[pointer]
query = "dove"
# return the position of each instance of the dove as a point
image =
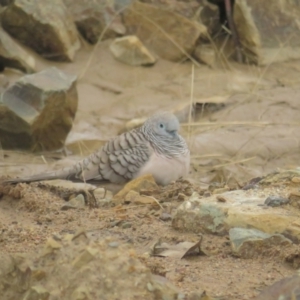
(154, 148)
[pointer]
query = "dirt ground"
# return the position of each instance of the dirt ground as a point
(34, 214)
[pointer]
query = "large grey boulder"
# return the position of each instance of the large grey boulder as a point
(37, 112)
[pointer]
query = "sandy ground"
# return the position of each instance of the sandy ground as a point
(255, 132)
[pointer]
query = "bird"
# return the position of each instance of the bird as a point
(154, 148)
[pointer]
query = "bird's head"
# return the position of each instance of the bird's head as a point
(164, 125)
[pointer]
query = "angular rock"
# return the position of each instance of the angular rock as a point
(76, 202)
(143, 182)
(162, 31)
(285, 289)
(205, 54)
(92, 18)
(37, 293)
(244, 209)
(37, 112)
(135, 198)
(43, 25)
(130, 50)
(82, 269)
(251, 243)
(14, 56)
(275, 201)
(266, 42)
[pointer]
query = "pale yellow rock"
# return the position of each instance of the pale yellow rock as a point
(130, 50)
(136, 198)
(142, 182)
(85, 257)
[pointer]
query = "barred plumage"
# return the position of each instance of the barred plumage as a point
(156, 148)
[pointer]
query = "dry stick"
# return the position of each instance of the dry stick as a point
(234, 162)
(254, 124)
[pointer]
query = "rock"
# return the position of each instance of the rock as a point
(76, 202)
(130, 50)
(94, 18)
(275, 201)
(37, 112)
(37, 293)
(285, 289)
(163, 32)
(143, 182)
(267, 42)
(294, 199)
(135, 198)
(251, 243)
(206, 54)
(165, 217)
(14, 56)
(76, 268)
(5, 2)
(126, 225)
(4, 82)
(43, 25)
(242, 209)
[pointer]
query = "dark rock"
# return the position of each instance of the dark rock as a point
(12, 55)
(43, 25)
(37, 112)
(275, 201)
(93, 17)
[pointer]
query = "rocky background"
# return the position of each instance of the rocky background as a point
(76, 73)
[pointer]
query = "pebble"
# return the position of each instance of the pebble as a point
(165, 217)
(274, 201)
(126, 225)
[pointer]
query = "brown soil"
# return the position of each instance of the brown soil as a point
(30, 215)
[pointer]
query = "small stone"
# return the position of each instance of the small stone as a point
(296, 179)
(206, 54)
(37, 293)
(150, 287)
(126, 225)
(130, 50)
(85, 257)
(165, 217)
(77, 202)
(221, 198)
(113, 244)
(294, 199)
(145, 182)
(274, 201)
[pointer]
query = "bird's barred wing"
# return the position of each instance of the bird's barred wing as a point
(117, 161)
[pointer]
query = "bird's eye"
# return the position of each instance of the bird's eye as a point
(161, 125)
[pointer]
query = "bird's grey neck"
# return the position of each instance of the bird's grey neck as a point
(165, 145)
